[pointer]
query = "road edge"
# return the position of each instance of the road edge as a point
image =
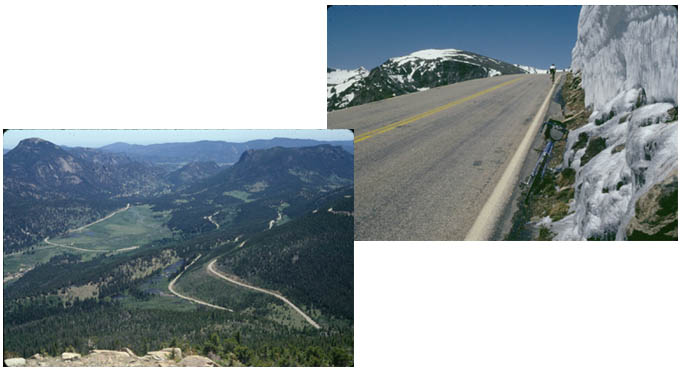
(485, 223)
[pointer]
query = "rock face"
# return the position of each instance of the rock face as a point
(171, 356)
(656, 212)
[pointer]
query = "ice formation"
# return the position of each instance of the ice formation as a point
(623, 47)
(627, 57)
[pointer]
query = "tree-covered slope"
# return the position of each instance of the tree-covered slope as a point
(310, 259)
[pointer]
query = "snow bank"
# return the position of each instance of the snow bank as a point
(622, 47)
(628, 60)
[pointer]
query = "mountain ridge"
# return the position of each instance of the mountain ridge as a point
(221, 152)
(418, 71)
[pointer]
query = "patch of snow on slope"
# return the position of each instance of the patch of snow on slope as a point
(339, 80)
(338, 76)
(493, 72)
(531, 70)
(429, 54)
(347, 99)
(641, 143)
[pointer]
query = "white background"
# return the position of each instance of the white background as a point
(220, 64)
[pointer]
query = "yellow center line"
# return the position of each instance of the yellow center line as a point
(377, 131)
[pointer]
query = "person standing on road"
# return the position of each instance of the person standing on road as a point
(552, 72)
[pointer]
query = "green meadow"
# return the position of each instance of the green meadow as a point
(135, 227)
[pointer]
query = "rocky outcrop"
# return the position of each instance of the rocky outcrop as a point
(17, 361)
(171, 356)
(656, 212)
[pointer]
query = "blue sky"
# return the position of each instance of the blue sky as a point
(98, 138)
(529, 35)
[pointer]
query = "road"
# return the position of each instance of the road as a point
(47, 241)
(171, 288)
(210, 219)
(211, 269)
(99, 220)
(425, 163)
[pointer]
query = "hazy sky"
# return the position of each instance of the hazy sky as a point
(98, 138)
(529, 35)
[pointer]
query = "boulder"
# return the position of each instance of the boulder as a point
(130, 352)
(178, 353)
(163, 354)
(195, 360)
(70, 356)
(656, 212)
(112, 353)
(17, 361)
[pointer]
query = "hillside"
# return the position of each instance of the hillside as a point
(192, 172)
(248, 193)
(307, 259)
(47, 190)
(418, 71)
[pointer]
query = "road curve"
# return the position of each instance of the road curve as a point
(309, 320)
(425, 163)
(172, 290)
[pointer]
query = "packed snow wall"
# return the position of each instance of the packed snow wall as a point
(622, 47)
(627, 57)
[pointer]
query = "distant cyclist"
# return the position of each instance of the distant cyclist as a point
(552, 72)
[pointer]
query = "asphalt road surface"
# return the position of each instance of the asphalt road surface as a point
(425, 163)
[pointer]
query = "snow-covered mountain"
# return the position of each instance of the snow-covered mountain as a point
(627, 57)
(417, 71)
(338, 80)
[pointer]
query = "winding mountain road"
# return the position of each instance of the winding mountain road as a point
(211, 269)
(171, 288)
(210, 219)
(427, 162)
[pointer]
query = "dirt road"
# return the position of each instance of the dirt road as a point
(210, 219)
(172, 285)
(340, 212)
(309, 320)
(100, 220)
(47, 240)
(274, 221)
